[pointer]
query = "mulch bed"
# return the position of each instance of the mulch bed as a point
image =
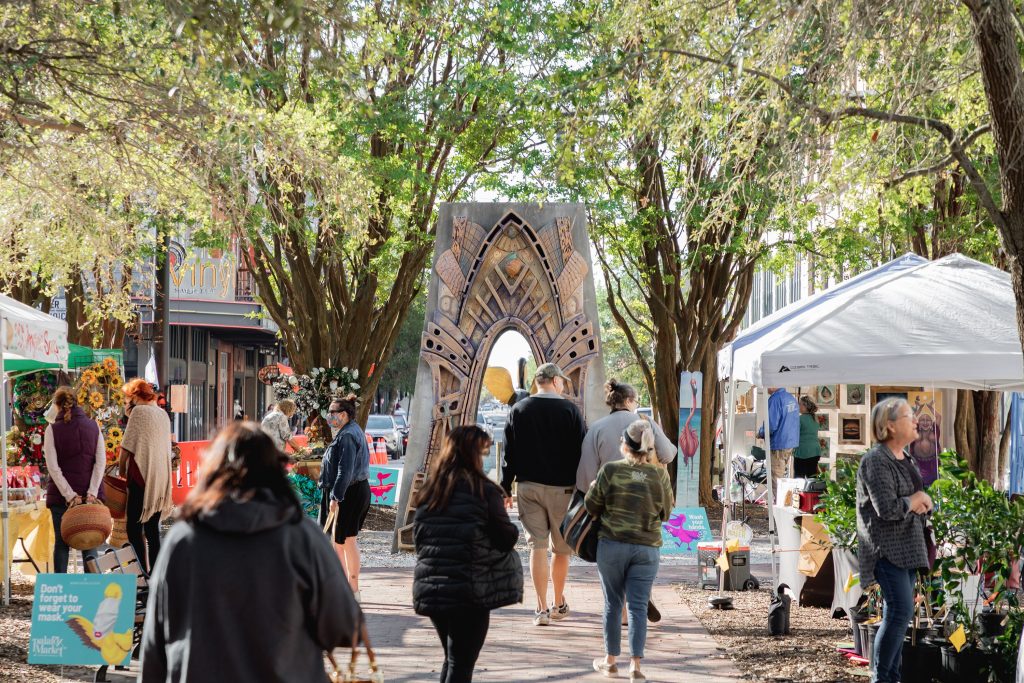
(808, 655)
(380, 518)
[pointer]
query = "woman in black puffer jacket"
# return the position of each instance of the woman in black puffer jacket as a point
(465, 565)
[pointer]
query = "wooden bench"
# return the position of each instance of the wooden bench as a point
(124, 561)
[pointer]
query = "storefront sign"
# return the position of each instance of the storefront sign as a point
(207, 274)
(84, 619)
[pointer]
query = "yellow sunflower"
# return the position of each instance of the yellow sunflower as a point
(83, 396)
(111, 445)
(96, 399)
(109, 364)
(115, 381)
(88, 377)
(117, 398)
(114, 433)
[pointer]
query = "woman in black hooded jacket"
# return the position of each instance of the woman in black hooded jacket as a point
(465, 563)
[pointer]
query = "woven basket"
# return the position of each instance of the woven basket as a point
(116, 495)
(118, 533)
(85, 526)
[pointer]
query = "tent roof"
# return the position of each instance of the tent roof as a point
(32, 335)
(945, 323)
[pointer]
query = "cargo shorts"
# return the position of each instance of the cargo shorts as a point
(541, 510)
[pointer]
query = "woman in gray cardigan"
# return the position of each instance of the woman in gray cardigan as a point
(891, 509)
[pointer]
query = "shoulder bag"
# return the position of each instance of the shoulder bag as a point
(579, 529)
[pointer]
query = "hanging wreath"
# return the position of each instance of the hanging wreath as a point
(32, 396)
(25, 446)
(314, 392)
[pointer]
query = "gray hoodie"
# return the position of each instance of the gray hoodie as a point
(603, 442)
(252, 591)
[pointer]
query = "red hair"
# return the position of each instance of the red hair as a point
(139, 389)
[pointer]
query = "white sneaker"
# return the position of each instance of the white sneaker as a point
(541, 618)
(559, 612)
(358, 595)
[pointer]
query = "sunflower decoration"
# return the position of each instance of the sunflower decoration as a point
(110, 364)
(117, 398)
(115, 381)
(96, 400)
(89, 378)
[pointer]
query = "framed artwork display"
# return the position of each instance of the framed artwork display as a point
(825, 395)
(825, 443)
(822, 419)
(851, 428)
(855, 394)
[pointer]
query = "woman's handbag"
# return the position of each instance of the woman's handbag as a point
(116, 495)
(580, 529)
(351, 675)
(331, 523)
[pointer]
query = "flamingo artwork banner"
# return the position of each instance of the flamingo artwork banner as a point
(684, 530)
(384, 485)
(691, 389)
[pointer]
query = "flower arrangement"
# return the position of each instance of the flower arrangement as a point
(25, 446)
(99, 394)
(314, 391)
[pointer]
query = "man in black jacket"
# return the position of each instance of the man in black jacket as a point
(542, 452)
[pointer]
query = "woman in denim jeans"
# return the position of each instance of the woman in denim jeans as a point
(891, 509)
(632, 497)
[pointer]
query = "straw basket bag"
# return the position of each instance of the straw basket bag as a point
(116, 499)
(118, 533)
(85, 525)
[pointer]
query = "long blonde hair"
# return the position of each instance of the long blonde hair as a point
(640, 434)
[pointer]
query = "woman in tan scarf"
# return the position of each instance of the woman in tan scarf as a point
(146, 464)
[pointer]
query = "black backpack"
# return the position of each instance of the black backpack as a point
(579, 529)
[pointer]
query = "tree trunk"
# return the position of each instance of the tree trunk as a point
(989, 422)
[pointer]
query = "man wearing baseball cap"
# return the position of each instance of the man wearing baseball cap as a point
(543, 436)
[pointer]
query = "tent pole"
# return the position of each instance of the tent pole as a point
(763, 402)
(730, 425)
(5, 510)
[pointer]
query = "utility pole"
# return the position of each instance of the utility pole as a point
(162, 305)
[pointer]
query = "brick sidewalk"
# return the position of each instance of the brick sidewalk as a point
(678, 648)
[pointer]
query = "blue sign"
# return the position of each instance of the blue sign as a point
(82, 619)
(384, 484)
(685, 528)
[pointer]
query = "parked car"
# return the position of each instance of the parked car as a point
(384, 427)
(496, 421)
(482, 423)
(403, 428)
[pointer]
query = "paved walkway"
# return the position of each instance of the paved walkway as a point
(678, 648)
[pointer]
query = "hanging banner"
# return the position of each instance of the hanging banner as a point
(82, 619)
(691, 390)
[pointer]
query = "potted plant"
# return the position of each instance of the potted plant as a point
(981, 532)
(837, 512)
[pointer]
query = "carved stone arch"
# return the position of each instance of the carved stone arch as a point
(495, 270)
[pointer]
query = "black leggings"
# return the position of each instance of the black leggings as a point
(135, 528)
(462, 637)
(805, 467)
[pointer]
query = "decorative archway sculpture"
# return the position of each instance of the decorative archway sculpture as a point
(500, 267)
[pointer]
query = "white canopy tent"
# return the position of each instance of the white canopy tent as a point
(25, 335)
(947, 323)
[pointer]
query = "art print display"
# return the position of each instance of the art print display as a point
(925, 450)
(691, 390)
(825, 444)
(822, 419)
(855, 394)
(851, 428)
(825, 395)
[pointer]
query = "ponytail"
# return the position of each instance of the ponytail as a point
(638, 439)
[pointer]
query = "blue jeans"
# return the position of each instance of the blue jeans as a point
(898, 593)
(60, 548)
(627, 573)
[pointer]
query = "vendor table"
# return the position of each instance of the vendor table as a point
(31, 537)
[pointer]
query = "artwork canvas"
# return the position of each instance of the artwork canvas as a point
(925, 450)
(825, 396)
(855, 394)
(851, 428)
(685, 528)
(691, 387)
(384, 485)
(822, 419)
(825, 443)
(82, 619)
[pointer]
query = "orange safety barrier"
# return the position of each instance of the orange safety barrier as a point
(379, 454)
(184, 479)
